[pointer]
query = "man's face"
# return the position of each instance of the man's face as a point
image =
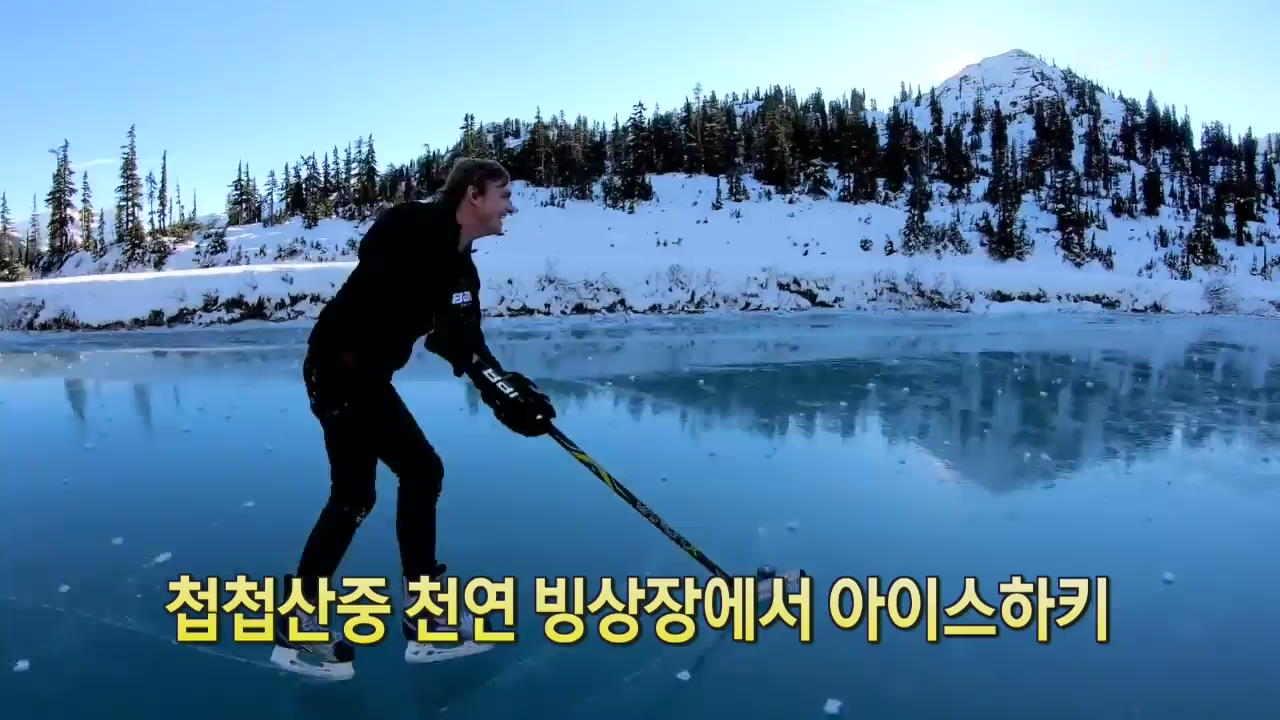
(493, 206)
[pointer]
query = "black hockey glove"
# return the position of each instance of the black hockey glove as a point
(516, 402)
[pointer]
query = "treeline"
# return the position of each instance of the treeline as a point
(75, 225)
(845, 149)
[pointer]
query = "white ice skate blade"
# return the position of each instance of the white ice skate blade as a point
(287, 659)
(416, 652)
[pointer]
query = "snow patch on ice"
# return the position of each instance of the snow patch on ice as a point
(832, 706)
(22, 666)
(683, 675)
(161, 558)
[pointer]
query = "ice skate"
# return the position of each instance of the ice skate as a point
(417, 651)
(328, 660)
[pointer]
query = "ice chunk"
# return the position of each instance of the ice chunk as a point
(1044, 394)
(22, 666)
(832, 707)
(1168, 578)
(88, 446)
(117, 541)
(793, 526)
(63, 588)
(247, 503)
(269, 448)
(683, 675)
(162, 557)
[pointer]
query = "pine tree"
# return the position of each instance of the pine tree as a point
(958, 170)
(999, 156)
(7, 252)
(1071, 223)
(162, 198)
(61, 203)
(979, 116)
(335, 171)
(1152, 189)
(235, 197)
(895, 160)
(86, 215)
(151, 201)
(269, 199)
(100, 242)
(31, 249)
(1201, 249)
(130, 234)
(369, 175)
(916, 232)
(779, 163)
(312, 192)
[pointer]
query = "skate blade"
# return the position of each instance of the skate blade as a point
(416, 652)
(287, 659)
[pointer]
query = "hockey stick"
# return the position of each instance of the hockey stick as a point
(763, 573)
(622, 492)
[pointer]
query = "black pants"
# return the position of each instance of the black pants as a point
(364, 421)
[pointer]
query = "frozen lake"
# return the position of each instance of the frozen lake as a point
(1142, 449)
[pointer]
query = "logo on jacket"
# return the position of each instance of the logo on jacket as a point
(462, 298)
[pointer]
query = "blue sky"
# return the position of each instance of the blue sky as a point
(214, 83)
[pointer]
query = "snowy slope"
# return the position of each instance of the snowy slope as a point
(678, 254)
(673, 255)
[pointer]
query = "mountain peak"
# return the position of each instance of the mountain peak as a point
(1012, 77)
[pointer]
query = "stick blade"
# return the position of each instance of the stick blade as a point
(787, 582)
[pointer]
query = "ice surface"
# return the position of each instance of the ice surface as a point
(1156, 450)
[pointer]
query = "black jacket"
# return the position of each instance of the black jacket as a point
(411, 281)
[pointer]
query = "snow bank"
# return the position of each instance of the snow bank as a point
(674, 255)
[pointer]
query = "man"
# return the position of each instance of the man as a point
(414, 277)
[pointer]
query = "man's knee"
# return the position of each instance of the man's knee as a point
(422, 474)
(352, 505)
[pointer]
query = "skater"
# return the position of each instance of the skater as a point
(414, 278)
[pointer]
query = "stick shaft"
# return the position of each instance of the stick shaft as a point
(621, 491)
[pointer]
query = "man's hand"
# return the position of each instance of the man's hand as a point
(516, 402)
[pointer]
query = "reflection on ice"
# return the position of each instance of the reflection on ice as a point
(1143, 449)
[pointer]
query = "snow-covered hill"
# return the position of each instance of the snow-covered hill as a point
(683, 252)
